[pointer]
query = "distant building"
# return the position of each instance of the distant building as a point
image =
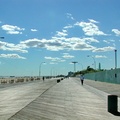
(99, 66)
(70, 74)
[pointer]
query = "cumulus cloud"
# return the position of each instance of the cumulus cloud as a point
(34, 30)
(54, 59)
(13, 47)
(83, 46)
(81, 43)
(62, 33)
(104, 49)
(106, 41)
(12, 29)
(81, 40)
(65, 31)
(93, 21)
(100, 56)
(34, 42)
(116, 31)
(67, 56)
(61, 43)
(69, 26)
(12, 56)
(109, 41)
(52, 44)
(90, 28)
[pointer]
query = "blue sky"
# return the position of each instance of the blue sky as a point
(58, 32)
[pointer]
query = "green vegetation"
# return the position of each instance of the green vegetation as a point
(88, 70)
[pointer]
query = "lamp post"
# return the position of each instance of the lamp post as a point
(52, 72)
(115, 59)
(2, 37)
(40, 68)
(94, 61)
(74, 65)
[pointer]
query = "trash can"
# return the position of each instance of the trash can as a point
(58, 80)
(112, 103)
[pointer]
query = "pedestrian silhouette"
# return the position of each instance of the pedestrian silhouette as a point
(82, 79)
(43, 79)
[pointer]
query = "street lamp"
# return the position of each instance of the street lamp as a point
(40, 68)
(94, 61)
(52, 72)
(115, 59)
(74, 65)
(2, 37)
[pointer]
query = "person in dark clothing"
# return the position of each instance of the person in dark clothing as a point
(43, 79)
(82, 79)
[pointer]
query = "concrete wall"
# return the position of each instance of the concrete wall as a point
(111, 76)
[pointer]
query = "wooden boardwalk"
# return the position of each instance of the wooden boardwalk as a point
(67, 100)
(16, 97)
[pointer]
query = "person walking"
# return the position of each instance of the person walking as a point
(43, 78)
(82, 79)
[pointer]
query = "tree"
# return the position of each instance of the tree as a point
(90, 69)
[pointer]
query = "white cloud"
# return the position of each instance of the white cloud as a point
(52, 44)
(93, 21)
(64, 31)
(81, 43)
(67, 56)
(69, 26)
(112, 40)
(90, 28)
(61, 33)
(34, 42)
(34, 30)
(116, 31)
(69, 15)
(12, 56)
(104, 49)
(100, 56)
(109, 41)
(54, 59)
(106, 41)
(83, 46)
(13, 47)
(14, 32)
(53, 63)
(12, 29)
(61, 43)
(81, 40)
(90, 39)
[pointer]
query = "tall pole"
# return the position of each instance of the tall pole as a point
(74, 66)
(94, 61)
(115, 59)
(40, 68)
(2, 37)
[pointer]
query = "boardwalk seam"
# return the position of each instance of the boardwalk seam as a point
(32, 101)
